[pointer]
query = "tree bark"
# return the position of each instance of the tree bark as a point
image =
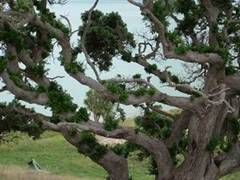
(115, 165)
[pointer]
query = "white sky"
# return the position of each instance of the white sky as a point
(131, 15)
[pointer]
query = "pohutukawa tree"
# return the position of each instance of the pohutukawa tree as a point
(205, 33)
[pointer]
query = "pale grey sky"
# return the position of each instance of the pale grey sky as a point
(131, 15)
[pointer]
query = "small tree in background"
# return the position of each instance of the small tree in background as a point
(201, 32)
(109, 112)
(97, 105)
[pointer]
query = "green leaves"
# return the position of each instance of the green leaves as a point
(151, 68)
(107, 37)
(124, 149)
(10, 35)
(154, 124)
(23, 5)
(140, 92)
(161, 11)
(81, 116)
(126, 56)
(74, 67)
(13, 121)
(110, 123)
(60, 101)
(3, 63)
(118, 89)
(219, 144)
(38, 70)
(137, 76)
(181, 49)
(93, 150)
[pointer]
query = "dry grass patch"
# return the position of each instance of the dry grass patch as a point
(17, 173)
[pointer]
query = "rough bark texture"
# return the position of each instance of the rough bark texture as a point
(206, 113)
(115, 165)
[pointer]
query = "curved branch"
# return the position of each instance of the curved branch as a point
(89, 21)
(31, 97)
(231, 161)
(154, 146)
(190, 56)
(181, 102)
(114, 164)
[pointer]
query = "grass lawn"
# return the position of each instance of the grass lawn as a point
(57, 156)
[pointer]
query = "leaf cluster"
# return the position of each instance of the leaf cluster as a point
(107, 37)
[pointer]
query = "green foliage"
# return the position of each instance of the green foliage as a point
(41, 89)
(161, 11)
(38, 70)
(10, 35)
(50, 17)
(140, 92)
(55, 119)
(107, 37)
(18, 79)
(94, 150)
(151, 68)
(110, 123)
(151, 91)
(110, 112)
(60, 101)
(174, 37)
(223, 4)
(137, 76)
(97, 104)
(34, 129)
(179, 149)
(3, 64)
(154, 124)
(192, 13)
(234, 125)
(175, 79)
(118, 89)
(22, 5)
(72, 132)
(214, 142)
(123, 97)
(219, 144)
(13, 121)
(152, 168)
(74, 67)
(127, 55)
(202, 48)
(181, 49)
(87, 137)
(81, 116)
(230, 70)
(124, 149)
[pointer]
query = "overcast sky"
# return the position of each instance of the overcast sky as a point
(131, 15)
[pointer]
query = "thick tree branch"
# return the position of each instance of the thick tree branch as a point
(64, 41)
(83, 39)
(152, 145)
(212, 13)
(31, 97)
(168, 48)
(231, 161)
